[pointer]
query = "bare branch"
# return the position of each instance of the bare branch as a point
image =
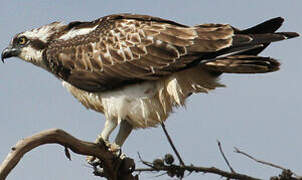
(211, 170)
(172, 144)
(264, 162)
(57, 136)
(224, 157)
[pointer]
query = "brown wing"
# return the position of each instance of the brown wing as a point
(123, 49)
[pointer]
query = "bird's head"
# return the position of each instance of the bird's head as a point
(30, 45)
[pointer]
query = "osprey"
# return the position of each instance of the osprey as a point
(135, 68)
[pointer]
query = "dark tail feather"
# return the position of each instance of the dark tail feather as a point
(269, 26)
(254, 39)
(242, 64)
(252, 44)
(242, 57)
(257, 38)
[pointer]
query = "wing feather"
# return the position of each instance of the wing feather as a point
(125, 49)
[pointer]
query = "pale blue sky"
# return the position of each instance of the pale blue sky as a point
(260, 114)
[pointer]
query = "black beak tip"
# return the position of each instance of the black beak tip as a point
(9, 52)
(2, 57)
(4, 54)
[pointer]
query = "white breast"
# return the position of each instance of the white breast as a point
(146, 104)
(128, 101)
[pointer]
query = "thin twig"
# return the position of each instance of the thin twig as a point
(145, 162)
(224, 157)
(264, 162)
(172, 144)
(161, 174)
(211, 170)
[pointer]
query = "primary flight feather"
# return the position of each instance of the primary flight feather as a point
(135, 68)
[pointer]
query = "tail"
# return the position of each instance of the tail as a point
(242, 57)
(243, 64)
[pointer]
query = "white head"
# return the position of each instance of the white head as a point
(29, 45)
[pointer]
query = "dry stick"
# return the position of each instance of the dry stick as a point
(224, 157)
(145, 162)
(264, 162)
(172, 144)
(211, 170)
(58, 136)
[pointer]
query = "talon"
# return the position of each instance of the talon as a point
(93, 161)
(116, 149)
(101, 141)
(113, 147)
(122, 156)
(90, 159)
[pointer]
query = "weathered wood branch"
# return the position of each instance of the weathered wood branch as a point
(58, 136)
(113, 167)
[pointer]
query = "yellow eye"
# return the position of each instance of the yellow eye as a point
(22, 40)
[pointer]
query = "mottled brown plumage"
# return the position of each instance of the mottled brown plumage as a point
(125, 49)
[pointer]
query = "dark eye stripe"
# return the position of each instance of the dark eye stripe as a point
(38, 44)
(35, 43)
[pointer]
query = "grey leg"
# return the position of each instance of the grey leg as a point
(123, 133)
(110, 125)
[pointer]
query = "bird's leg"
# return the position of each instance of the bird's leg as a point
(109, 126)
(123, 133)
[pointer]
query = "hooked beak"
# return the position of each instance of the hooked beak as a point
(9, 52)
